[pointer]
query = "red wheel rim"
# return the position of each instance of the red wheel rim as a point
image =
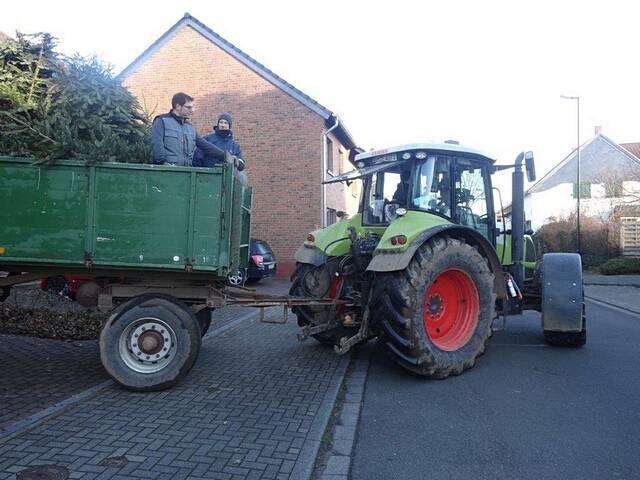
(451, 309)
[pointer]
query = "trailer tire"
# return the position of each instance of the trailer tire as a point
(436, 315)
(315, 315)
(204, 319)
(150, 343)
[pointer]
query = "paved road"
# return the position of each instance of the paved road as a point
(526, 411)
(254, 406)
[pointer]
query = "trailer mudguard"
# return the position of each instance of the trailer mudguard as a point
(389, 262)
(562, 294)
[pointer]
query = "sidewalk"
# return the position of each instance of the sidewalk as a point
(619, 290)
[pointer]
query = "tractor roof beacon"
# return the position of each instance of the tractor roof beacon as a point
(423, 266)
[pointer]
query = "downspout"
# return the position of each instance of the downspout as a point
(323, 194)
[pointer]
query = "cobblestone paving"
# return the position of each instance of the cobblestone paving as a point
(244, 412)
(37, 373)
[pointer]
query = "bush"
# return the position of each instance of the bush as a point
(593, 260)
(597, 241)
(56, 107)
(621, 266)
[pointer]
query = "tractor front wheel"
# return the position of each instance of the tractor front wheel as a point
(436, 314)
(317, 282)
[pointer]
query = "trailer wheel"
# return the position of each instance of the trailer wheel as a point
(204, 319)
(150, 343)
(315, 282)
(436, 315)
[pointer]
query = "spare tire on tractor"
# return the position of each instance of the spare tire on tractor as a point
(436, 315)
(318, 282)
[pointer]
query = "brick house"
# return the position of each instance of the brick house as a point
(285, 165)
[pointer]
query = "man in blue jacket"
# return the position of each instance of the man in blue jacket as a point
(222, 137)
(173, 138)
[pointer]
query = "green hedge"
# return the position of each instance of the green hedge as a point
(621, 266)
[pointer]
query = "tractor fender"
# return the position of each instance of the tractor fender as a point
(389, 262)
(310, 255)
(562, 297)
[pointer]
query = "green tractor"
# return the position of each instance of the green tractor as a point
(424, 266)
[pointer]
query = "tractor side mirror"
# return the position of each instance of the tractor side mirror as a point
(530, 166)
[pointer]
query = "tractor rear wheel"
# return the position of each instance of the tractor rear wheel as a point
(316, 282)
(436, 315)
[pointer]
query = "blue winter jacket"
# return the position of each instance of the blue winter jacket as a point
(201, 159)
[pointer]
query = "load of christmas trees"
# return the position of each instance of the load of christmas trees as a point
(57, 107)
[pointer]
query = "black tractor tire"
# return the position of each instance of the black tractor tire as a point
(568, 339)
(563, 306)
(172, 336)
(204, 319)
(315, 315)
(404, 299)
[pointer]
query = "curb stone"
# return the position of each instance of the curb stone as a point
(335, 464)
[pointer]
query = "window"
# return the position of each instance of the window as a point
(330, 215)
(613, 189)
(585, 190)
(343, 161)
(386, 191)
(471, 183)
(329, 147)
(432, 186)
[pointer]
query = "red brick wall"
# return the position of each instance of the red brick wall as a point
(280, 137)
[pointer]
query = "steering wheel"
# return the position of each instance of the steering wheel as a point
(390, 207)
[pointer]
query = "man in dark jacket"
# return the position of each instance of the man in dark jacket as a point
(173, 138)
(222, 137)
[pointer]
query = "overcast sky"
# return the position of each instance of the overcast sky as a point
(486, 73)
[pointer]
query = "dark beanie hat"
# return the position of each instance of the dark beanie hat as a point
(224, 116)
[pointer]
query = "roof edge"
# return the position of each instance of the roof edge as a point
(189, 21)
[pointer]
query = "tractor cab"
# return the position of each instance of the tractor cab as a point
(447, 180)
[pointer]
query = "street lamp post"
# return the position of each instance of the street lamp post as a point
(577, 99)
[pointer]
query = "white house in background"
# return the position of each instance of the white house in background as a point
(610, 181)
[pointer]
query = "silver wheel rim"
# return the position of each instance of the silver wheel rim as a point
(147, 345)
(236, 278)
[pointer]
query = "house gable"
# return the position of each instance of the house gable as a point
(189, 21)
(600, 159)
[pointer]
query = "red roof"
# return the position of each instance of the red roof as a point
(633, 148)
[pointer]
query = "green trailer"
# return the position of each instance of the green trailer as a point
(158, 242)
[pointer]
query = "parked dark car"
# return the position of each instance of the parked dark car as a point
(262, 261)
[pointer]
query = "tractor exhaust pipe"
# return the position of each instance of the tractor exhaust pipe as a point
(517, 221)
